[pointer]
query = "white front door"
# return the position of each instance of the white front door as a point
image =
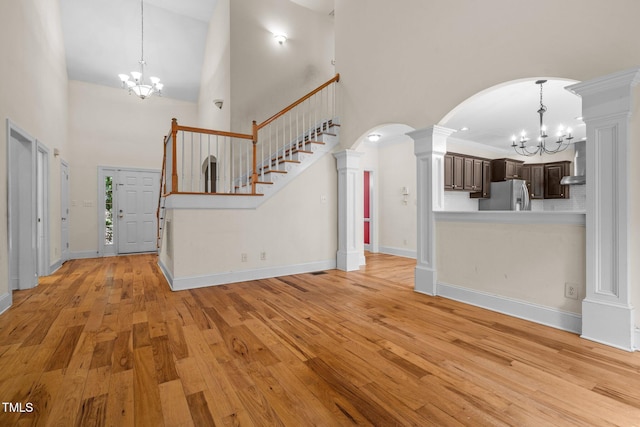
(137, 193)
(64, 211)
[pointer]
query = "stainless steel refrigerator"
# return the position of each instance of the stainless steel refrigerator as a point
(511, 195)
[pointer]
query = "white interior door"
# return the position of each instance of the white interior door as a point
(64, 211)
(22, 211)
(137, 193)
(42, 187)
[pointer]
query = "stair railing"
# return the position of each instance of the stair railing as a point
(242, 160)
(287, 132)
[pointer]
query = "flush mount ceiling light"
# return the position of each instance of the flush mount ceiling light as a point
(373, 137)
(137, 84)
(564, 136)
(280, 38)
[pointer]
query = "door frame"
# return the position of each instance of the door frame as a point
(64, 251)
(373, 245)
(13, 243)
(103, 172)
(42, 259)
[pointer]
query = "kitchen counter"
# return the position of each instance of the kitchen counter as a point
(514, 217)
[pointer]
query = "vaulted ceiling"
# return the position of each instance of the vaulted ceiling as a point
(103, 39)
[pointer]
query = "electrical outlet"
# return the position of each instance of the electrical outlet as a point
(571, 290)
(263, 256)
(243, 257)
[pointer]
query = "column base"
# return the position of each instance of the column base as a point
(348, 261)
(608, 324)
(425, 280)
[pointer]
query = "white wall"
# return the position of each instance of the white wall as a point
(266, 77)
(33, 88)
(108, 127)
(215, 82)
(397, 219)
(526, 262)
(293, 227)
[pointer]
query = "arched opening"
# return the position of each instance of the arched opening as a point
(210, 174)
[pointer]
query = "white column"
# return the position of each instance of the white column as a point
(430, 146)
(350, 215)
(607, 314)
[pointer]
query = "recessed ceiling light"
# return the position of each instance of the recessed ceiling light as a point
(280, 38)
(579, 118)
(464, 129)
(373, 137)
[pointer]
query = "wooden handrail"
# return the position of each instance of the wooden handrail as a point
(336, 79)
(214, 132)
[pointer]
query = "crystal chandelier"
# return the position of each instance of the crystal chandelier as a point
(564, 136)
(137, 84)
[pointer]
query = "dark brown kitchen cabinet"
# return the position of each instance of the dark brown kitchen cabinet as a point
(553, 173)
(485, 189)
(453, 172)
(533, 174)
(466, 173)
(504, 169)
(472, 174)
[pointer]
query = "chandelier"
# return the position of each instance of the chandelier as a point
(564, 136)
(137, 82)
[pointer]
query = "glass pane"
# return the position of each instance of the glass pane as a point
(108, 214)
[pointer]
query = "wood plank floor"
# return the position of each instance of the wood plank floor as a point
(105, 342)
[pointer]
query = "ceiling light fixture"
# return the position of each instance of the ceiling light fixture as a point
(562, 135)
(374, 137)
(280, 38)
(138, 85)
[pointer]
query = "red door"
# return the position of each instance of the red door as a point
(367, 208)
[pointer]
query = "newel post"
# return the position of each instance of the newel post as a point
(174, 157)
(254, 175)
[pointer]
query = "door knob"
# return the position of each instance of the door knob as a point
(121, 214)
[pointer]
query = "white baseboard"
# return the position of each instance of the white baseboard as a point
(55, 266)
(548, 316)
(406, 253)
(184, 283)
(636, 340)
(5, 301)
(166, 272)
(84, 255)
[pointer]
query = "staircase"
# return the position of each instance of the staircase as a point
(250, 167)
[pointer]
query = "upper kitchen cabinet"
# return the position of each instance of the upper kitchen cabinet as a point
(533, 174)
(504, 169)
(553, 173)
(453, 171)
(467, 173)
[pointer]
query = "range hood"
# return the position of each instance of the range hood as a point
(579, 168)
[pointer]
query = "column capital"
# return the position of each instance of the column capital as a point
(608, 95)
(432, 139)
(348, 159)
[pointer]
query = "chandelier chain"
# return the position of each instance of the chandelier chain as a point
(137, 84)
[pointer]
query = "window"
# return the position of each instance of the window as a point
(108, 212)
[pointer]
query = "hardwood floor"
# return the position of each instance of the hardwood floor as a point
(105, 342)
